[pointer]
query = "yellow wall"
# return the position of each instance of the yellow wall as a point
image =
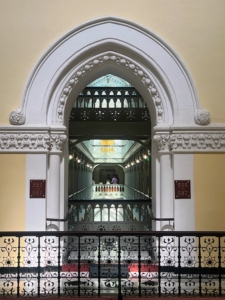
(209, 188)
(12, 192)
(194, 29)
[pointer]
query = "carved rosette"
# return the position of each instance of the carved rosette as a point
(190, 142)
(202, 117)
(17, 117)
(119, 60)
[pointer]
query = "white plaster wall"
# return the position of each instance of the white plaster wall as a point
(184, 212)
(36, 166)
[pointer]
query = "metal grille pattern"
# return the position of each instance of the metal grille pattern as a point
(108, 104)
(106, 215)
(68, 264)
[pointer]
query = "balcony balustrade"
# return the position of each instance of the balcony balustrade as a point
(113, 214)
(124, 264)
(108, 191)
(110, 104)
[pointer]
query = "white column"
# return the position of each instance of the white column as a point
(53, 203)
(55, 185)
(64, 187)
(166, 189)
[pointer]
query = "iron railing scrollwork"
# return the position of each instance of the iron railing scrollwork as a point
(128, 264)
(110, 104)
(110, 214)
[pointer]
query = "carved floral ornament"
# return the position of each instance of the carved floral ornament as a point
(202, 117)
(35, 142)
(190, 142)
(165, 142)
(17, 117)
(119, 60)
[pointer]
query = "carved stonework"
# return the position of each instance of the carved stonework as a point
(161, 141)
(119, 60)
(190, 142)
(17, 117)
(32, 142)
(24, 142)
(202, 117)
(57, 141)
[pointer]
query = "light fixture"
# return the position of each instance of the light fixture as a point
(70, 156)
(144, 155)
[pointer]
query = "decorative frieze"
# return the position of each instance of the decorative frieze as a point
(121, 61)
(27, 142)
(190, 142)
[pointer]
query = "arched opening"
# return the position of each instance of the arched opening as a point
(104, 46)
(110, 162)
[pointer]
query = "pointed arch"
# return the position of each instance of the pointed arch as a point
(110, 45)
(127, 50)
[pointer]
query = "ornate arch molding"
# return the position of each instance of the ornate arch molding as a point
(120, 65)
(145, 49)
(87, 52)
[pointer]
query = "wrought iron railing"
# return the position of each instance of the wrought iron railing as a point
(110, 214)
(109, 104)
(74, 264)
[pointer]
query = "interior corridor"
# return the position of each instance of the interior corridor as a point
(109, 158)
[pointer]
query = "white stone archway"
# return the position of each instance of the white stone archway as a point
(132, 51)
(125, 49)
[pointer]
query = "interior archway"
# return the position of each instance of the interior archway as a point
(107, 113)
(103, 46)
(131, 52)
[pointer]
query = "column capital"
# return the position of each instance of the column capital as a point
(57, 142)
